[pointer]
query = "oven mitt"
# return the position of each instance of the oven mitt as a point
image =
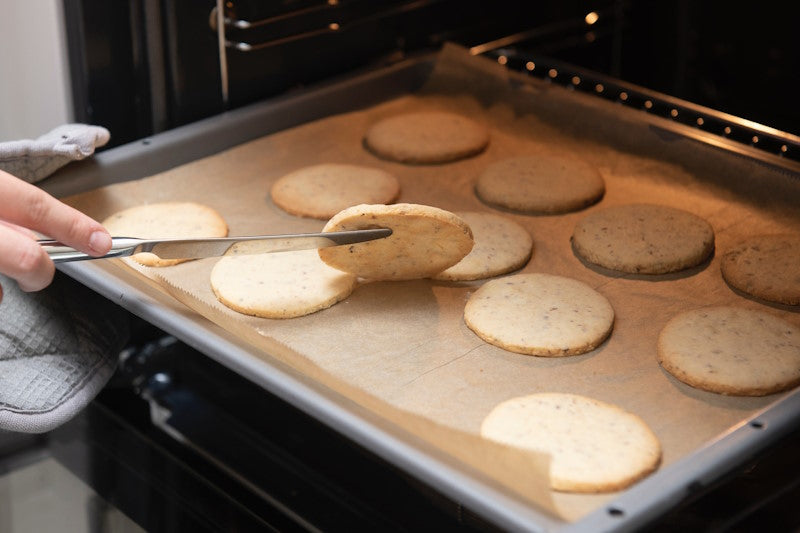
(34, 160)
(58, 348)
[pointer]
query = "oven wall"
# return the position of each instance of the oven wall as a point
(35, 93)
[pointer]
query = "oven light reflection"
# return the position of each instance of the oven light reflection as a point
(591, 17)
(333, 26)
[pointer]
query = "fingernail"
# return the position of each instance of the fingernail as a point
(100, 242)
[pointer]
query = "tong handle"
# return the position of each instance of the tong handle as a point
(60, 253)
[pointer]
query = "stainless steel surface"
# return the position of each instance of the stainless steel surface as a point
(733, 134)
(198, 248)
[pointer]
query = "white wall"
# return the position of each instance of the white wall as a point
(34, 78)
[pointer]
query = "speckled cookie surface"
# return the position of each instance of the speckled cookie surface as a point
(425, 240)
(168, 220)
(594, 446)
(321, 191)
(544, 183)
(501, 246)
(279, 285)
(539, 314)
(765, 266)
(731, 350)
(643, 238)
(426, 137)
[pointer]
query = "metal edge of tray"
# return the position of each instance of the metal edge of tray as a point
(630, 509)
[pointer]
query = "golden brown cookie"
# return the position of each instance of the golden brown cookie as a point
(540, 184)
(168, 220)
(593, 446)
(501, 246)
(765, 266)
(425, 240)
(539, 314)
(732, 351)
(426, 137)
(279, 285)
(643, 239)
(321, 191)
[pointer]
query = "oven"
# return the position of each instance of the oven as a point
(201, 430)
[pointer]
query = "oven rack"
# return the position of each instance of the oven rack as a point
(713, 127)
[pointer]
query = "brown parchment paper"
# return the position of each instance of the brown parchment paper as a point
(402, 349)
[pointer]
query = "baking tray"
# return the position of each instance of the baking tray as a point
(627, 510)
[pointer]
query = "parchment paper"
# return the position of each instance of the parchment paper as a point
(402, 348)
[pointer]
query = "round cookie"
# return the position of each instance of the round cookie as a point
(501, 246)
(643, 239)
(168, 220)
(425, 240)
(279, 285)
(540, 184)
(426, 137)
(593, 446)
(321, 191)
(731, 351)
(540, 314)
(765, 266)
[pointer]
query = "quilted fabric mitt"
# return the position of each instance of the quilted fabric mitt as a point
(58, 348)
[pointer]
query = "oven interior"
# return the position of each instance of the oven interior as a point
(167, 444)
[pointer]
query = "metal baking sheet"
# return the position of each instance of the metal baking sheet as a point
(631, 508)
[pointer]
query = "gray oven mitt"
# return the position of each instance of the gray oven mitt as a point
(58, 348)
(34, 160)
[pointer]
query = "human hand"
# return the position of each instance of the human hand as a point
(24, 209)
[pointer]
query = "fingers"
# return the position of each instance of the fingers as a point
(23, 259)
(28, 206)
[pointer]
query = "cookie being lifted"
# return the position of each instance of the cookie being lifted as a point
(643, 239)
(540, 184)
(730, 350)
(425, 240)
(321, 191)
(594, 446)
(426, 137)
(540, 314)
(765, 266)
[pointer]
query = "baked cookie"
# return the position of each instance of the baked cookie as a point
(168, 220)
(279, 285)
(593, 446)
(539, 314)
(501, 246)
(321, 191)
(540, 184)
(643, 239)
(765, 266)
(731, 351)
(425, 240)
(426, 137)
